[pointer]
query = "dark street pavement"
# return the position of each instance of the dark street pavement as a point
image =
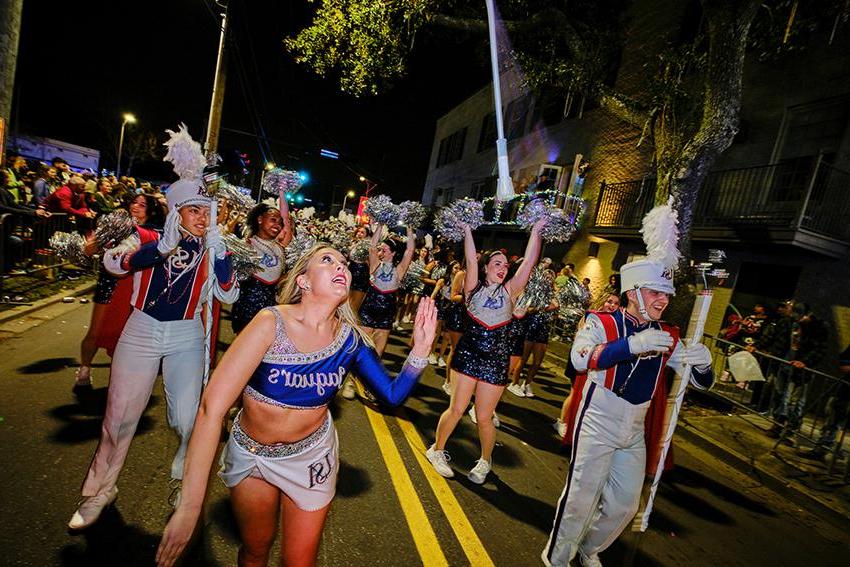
(391, 509)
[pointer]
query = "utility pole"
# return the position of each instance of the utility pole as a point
(214, 124)
(10, 33)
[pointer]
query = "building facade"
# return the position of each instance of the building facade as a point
(777, 201)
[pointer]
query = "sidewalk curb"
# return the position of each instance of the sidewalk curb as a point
(746, 465)
(778, 484)
(16, 313)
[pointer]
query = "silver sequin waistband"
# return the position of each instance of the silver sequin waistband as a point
(278, 450)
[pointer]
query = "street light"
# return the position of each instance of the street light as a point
(128, 119)
(349, 195)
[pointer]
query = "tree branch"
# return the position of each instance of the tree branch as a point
(624, 107)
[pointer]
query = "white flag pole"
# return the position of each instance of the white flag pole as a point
(505, 185)
(208, 307)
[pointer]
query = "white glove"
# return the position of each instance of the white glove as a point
(697, 355)
(215, 242)
(650, 340)
(170, 234)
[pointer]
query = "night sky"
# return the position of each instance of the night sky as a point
(82, 64)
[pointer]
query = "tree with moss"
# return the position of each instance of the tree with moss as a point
(688, 110)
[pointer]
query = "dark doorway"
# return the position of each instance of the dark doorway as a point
(767, 284)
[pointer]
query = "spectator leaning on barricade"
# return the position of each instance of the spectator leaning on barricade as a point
(103, 202)
(70, 199)
(12, 244)
(837, 409)
(63, 170)
(799, 338)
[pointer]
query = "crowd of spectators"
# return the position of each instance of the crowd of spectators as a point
(31, 191)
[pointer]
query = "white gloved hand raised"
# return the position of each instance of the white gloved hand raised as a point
(650, 340)
(215, 242)
(170, 234)
(697, 355)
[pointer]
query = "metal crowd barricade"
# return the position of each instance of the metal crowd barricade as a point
(25, 250)
(762, 398)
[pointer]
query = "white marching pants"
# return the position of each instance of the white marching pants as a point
(144, 343)
(605, 477)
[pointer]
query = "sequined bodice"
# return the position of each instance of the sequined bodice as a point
(289, 378)
(490, 306)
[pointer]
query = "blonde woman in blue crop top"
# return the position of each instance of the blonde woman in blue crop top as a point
(281, 457)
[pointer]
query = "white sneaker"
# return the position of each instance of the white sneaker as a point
(480, 471)
(90, 509)
(397, 326)
(432, 358)
(560, 428)
(348, 391)
(529, 393)
(447, 388)
(496, 422)
(517, 390)
(591, 561)
(440, 461)
(441, 362)
(406, 319)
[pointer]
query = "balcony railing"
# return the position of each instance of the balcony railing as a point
(815, 200)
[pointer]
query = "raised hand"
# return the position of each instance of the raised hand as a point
(424, 327)
(170, 233)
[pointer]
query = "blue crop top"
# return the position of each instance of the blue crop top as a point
(292, 379)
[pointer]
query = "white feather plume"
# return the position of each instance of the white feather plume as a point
(185, 154)
(661, 234)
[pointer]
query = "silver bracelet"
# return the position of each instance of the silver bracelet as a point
(416, 361)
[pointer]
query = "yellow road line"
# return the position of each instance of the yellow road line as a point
(472, 546)
(417, 521)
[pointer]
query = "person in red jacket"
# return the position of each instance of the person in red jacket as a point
(69, 199)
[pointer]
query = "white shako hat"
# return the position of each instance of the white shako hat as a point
(188, 161)
(187, 192)
(646, 273)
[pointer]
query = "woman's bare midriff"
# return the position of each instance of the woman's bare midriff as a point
(268, 424)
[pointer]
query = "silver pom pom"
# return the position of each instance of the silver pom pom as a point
(412, 214)
(452, 219)
(572, 295)
(71, 247)
(279, 180)
(302, 242)
(222, 190)
(245, 258)
(113, 228)
(539, 292)
(558, 227)
(360, 251)
(382, 210)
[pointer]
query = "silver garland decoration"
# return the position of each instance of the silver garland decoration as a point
(360, 251)
(71, 246)
(382, 210)
(113, 228)
(558, 227)
(245, 259)
(452, 219)
(279, 180)
(412, 214)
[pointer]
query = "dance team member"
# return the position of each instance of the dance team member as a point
(269, 231)
(439, 274)
(413, 286)
(535, 343)
(359, 271)
(387, 267)
(480, 362)
(281, 460)
(454, 320)
(112, 294)
(624, 354)
(170, 283)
